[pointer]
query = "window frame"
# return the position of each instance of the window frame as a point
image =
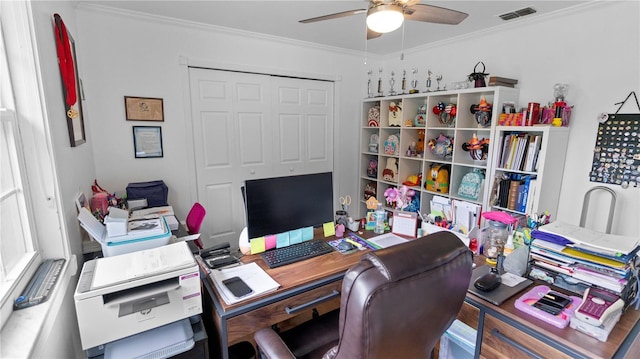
(22, 92)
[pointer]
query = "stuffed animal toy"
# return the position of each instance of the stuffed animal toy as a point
(391, 170)
(420, 144)
(438, 179)
(395, 114)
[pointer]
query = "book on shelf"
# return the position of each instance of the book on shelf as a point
(513, 194)
(531, 193)
(533, 148)
(504, 80)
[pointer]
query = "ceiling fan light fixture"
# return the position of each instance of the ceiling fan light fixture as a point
(385, 18)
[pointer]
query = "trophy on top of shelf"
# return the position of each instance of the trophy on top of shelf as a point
(414, 81)
(429, 73)
(380, 93)
(438, 79)
(392, 82)
(369, 89)
(403, 84)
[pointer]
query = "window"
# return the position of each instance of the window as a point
(16, 243)
(27, 175)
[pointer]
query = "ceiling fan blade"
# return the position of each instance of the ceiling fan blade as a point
(435, 14)
(333, 16)
(372, 34)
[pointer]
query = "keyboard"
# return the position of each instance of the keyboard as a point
(296, 252)
(41, 284)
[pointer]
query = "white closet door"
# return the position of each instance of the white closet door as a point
(231, 121)
(303, 133)
(248, 126)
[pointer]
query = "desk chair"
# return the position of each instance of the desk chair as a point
(194, 221)
(395, 303)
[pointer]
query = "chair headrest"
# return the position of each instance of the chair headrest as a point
(416, 256)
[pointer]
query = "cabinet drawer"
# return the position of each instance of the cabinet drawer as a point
(248, 323)
(501, 340)
(469, 315)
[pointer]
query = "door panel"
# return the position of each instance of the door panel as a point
(229, 115)
(248, 126)
(217, 149)
(220, 218)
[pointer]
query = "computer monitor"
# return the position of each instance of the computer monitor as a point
(280, 204)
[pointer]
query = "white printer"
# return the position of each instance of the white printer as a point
(128, 294)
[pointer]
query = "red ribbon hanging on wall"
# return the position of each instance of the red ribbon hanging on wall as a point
(65, 61)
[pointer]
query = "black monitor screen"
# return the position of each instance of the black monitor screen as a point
(280, 204)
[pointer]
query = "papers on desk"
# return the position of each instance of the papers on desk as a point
(254, 276)
(386, 240)
(591, 240)
(152, 211)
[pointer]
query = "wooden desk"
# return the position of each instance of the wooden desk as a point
(317, 282)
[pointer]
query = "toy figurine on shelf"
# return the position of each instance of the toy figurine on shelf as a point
(390, 173)
(412, 151)
(478, 149)
(395, 114)
(482, 112)
(421, 118)
(559, 93)
(478, 77)
(372, 170)
(420, 144)
(373, 143)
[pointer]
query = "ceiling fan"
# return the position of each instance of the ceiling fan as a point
(387, 15)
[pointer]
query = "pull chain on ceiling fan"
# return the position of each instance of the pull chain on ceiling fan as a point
(388, 15)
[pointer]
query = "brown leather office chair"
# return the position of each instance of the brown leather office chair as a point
(395, 303)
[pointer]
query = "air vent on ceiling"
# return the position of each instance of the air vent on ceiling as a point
(517, 13)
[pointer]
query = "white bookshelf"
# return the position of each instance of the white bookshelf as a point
(460, 161)
(548, 171)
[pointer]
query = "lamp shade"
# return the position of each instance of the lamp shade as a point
(384, 18)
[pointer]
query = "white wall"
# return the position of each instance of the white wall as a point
(74, 168)
(140, 56)
(595, 49)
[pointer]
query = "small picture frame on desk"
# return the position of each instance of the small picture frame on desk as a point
(147, 141)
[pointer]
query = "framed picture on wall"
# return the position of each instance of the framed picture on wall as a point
(143, 109)
(147, 141)
(71, 90)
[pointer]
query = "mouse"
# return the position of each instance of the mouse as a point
(345, 246)
(488, 282)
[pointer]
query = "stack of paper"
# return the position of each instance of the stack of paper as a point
(580, 255)
(254, 276)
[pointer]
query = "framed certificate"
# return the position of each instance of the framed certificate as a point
(147, 141)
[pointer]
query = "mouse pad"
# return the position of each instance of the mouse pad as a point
(498, 295)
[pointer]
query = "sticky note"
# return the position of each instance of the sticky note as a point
(329, 229)
(282, 240)
(257, 245)
(307, 233)
(269, 242)
(295, 236)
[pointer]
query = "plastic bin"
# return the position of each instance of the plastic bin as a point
(458, 342)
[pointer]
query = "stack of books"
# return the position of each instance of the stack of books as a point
(520, 151)
(576, 258)
(517, 192)
(502, 81)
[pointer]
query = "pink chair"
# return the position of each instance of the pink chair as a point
(194, 221)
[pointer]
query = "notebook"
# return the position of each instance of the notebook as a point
(504, 291)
